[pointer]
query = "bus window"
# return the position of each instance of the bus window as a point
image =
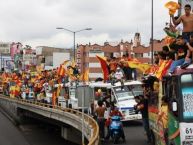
(153, 96)
(137, 89)
(172, 90)
(187, 95)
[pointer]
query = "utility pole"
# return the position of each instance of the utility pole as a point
(152, 49)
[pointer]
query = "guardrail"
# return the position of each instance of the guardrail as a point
(94, 140)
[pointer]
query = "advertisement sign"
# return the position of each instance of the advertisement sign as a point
(186, 133)
(4, 48)
(28, 57)
(187, 94)
(186, 129)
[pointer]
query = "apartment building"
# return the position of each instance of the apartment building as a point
(86, 54)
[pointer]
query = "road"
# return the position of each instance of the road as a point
(28, 134)
(39, 134)
(134, 133)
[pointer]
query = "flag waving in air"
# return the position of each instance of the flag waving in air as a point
(104, 67)
(138, 65)
(85, 76)
(172, 6)
(163, 67)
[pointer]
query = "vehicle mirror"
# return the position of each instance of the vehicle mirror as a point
(174, 106)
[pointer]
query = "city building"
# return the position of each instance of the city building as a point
(86, 54)
(52, 57)
(5, 58)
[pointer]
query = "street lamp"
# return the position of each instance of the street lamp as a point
(74, 33)
(152, 49)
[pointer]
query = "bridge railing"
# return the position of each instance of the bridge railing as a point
(94, 140)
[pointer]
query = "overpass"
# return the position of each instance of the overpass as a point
(72, 122)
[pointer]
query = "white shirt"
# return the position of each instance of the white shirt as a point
(119, 75)
(179, 29)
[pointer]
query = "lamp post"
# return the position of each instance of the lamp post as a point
(152, 32)
(74, 34)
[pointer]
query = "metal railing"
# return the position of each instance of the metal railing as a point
(94, 139)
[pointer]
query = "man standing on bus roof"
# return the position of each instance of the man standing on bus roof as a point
(187, 21)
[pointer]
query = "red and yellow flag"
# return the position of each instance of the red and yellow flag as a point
(143, 67)
(163, 67)
(152, 70)
(85, 76)
(104, 67)
(61, 70)
(172, 6)
(168, 40)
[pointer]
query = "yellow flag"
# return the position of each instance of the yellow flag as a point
(141, 66)
(85, 76)
(172, 7)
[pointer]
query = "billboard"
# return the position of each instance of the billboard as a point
(183, 3)
(4, 48)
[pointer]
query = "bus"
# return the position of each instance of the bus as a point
(178, 89)
(121, 96)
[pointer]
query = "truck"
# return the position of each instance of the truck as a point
(121, 96)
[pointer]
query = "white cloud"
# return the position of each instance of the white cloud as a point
(34, 22)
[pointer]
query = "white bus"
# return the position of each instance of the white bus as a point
(122, 96)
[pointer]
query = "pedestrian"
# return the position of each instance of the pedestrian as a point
(100, 111)
(142, 106)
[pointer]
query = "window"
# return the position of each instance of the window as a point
(172, 94)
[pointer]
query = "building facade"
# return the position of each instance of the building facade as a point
(51, 56)
(86, 54)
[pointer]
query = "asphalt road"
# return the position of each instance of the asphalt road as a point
(39, 134)
(134, 133)
(28, 134)
(9, 134)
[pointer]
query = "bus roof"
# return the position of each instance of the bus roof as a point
(180, 71)
(109, 85)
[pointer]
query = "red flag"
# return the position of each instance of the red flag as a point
(61, 71)
(163, 67)
(104, 67)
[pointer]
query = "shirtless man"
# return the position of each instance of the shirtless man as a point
(187, 21)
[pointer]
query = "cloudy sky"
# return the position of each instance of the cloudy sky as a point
(34, 22)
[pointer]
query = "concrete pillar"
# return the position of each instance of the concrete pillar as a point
(71, 134)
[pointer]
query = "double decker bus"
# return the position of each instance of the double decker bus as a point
(178, 89)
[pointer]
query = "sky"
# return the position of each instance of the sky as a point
(34, 22)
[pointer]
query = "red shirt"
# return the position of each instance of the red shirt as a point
(116, 113)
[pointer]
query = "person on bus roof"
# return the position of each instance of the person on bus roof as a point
(183, 55)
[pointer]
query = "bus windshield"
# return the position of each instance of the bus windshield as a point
(137, 89)
(187, 95)
(128, 92)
